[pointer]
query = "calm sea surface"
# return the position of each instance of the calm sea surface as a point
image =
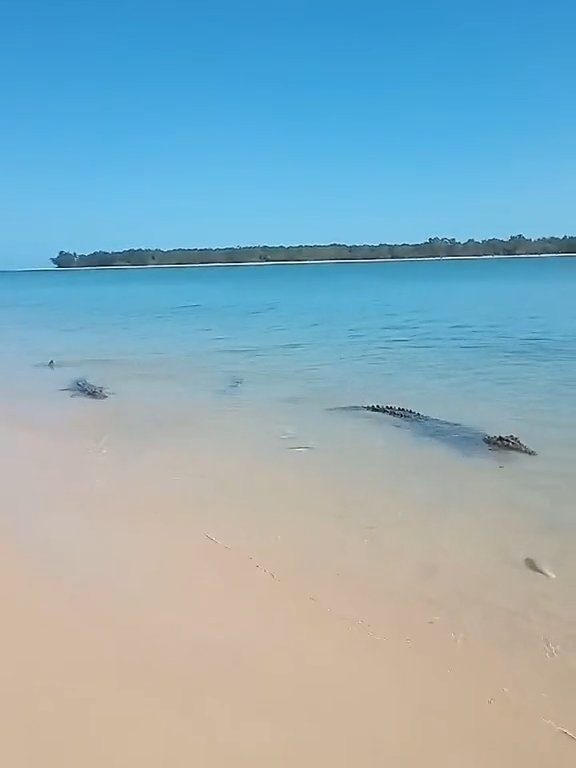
(497, 333)
(490, 344)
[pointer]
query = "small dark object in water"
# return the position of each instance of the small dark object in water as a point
(51, 364)
(532, 565)
(396, 411)
(236, 382)
(508, 443)
(83, 388)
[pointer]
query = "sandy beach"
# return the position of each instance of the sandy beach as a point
(161, 607)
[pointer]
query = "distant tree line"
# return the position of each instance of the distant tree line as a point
(438, 247)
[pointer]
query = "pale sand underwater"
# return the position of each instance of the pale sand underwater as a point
(201, 595)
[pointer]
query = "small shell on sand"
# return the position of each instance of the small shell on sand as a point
(532, 565)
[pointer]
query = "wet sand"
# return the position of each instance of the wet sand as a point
(201, 598)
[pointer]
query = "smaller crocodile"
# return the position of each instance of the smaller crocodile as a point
(83, 388)
(508, 443)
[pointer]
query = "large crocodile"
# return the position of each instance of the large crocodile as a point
(508, 443)
(466, 437)
(395, 410)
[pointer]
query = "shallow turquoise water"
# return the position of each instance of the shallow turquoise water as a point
(259, 357)
(489, 343)
(273, 350)
(497, 329)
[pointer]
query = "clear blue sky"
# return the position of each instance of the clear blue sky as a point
(127, 123)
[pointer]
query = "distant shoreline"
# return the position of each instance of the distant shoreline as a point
(293, 263)
(435, 248)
